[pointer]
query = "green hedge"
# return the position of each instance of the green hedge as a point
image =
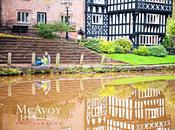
(142, 50)
(121, 45)
(107, 47)
(93, 44)
(158, 51)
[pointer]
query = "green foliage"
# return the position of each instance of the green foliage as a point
(158, 51)
(93, 44)
(120, 50)
(122, 45)
(46, 31)
(9, 71)
(60, 27)
(171, 27)
(167, 42)
(107, 47)
(142, 50)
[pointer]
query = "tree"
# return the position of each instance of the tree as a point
(61, 27)
(171, 27)
(49, 30)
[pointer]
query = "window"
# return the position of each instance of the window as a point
(153, 18)
(97, 19)
(41, 17)
(149, 39)
(64, 19)
(156, 1)
(23, 17)
(99, 1)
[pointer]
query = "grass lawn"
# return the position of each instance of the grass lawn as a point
(133, 80)
(142, 60)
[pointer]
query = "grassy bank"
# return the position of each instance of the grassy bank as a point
(142, 60)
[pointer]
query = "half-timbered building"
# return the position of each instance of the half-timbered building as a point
(143, 110)
(142, 21)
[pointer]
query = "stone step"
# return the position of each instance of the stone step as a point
(22, 49)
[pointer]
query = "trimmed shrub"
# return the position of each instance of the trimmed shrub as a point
(123, 45)
(167, 42)
(158, 51)
(120, 50)
(142, 50)
(107, 47)
(93, 44)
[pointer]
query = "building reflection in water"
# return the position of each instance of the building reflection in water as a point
(143, 110)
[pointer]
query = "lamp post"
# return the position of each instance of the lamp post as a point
(67, 4)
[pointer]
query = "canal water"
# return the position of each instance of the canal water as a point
(121, 101)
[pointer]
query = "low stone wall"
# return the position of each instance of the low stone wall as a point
(72, 69)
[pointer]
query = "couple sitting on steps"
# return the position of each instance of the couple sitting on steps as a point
(46, 60)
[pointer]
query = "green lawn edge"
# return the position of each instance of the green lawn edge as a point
(133, 80)
(142, 60)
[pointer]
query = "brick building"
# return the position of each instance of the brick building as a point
(32, 12)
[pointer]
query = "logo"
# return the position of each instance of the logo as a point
(36, 112)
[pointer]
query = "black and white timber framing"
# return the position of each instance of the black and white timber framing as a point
(142, 21)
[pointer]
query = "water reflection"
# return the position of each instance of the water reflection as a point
(42, 84)
(84, 103)
(142, 110)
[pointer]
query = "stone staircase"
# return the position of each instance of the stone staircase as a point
(22, 49)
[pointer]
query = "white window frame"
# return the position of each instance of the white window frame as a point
(149, 39)
(40, 19)
(156, 1)
(98, 19)
(20, 15)
(152, 18)
(99, 1)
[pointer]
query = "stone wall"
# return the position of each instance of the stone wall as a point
(53, 8)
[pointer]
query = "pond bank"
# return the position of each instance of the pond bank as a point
(71, 69)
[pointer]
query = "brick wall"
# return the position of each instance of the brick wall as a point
(53, 8)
